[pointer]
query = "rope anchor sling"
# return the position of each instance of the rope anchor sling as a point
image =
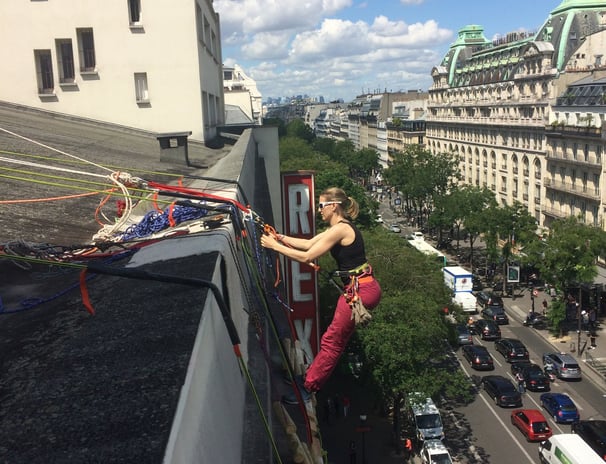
(359, 313)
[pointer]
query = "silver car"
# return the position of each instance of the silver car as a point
(563, 365)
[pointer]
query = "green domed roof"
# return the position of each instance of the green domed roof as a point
(568, 4)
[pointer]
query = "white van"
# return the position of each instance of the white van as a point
(466, 300)
(567, 448)
(425, 416)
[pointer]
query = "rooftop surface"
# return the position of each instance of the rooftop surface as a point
(76, 387)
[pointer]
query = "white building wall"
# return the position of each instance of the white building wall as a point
(243, 83)
(180, 70)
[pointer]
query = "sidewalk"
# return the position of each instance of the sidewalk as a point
(518, 308)
(373, 441)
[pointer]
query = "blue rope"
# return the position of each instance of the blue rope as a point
(155, 221)
(30, 303)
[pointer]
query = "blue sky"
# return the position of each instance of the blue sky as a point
(342, 48)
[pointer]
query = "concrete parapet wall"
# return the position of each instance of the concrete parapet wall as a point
(209, 423)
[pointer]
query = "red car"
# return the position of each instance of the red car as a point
(531, 423)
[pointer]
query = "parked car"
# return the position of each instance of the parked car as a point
(532, 424)
(486, 299)
(512, 349)
(594, 433)
(495, 313)
(380, 219)
(560, 407)
(464, 336)
(478, 357)
(395, 228)
(535, 378)
(486, 329)
(563, 365)
(502, 391)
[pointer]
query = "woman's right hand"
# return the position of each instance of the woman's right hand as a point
(268, 241)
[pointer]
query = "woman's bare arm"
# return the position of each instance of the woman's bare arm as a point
(317, 246)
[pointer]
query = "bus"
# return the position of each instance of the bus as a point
(426, 248)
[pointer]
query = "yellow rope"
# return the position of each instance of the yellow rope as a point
(78, 163)
(75, 187)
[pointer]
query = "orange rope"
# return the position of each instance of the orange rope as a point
(269, 230)
(171, 219)
(84, 292)
(39, 200)
(155, 202)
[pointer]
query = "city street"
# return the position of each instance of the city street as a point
(481, 431)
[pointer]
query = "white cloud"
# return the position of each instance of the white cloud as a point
(344, 38)
(320, 47)
(267, 45)
(334, 38)
(252, 16)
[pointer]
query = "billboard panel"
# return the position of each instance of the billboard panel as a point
(298, 200)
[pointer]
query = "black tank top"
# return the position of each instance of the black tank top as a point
(351, 256)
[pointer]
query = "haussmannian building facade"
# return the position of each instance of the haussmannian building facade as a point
(500, 107)
(387, 122)
(573, 181)
(152, 66)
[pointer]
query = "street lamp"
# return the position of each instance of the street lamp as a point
(363, 428)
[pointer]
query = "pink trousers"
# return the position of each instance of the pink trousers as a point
(337, 335)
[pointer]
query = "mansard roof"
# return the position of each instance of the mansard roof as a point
(481, 61)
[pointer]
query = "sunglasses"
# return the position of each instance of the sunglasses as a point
(322, 204)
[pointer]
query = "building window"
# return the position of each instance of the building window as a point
(206, 33)
(134, 12)
(65, 59)
(199, 24)
(141, 93)
(86, 45)
(214, 44)
(44, 72)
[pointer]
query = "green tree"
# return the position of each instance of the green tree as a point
(406, 345)
(363, 163)
(298, 128)
(344, 149)
(325, 145)
(507, 230)
(567, 258)
(460, 208)
(422, 177)
(474, 201)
